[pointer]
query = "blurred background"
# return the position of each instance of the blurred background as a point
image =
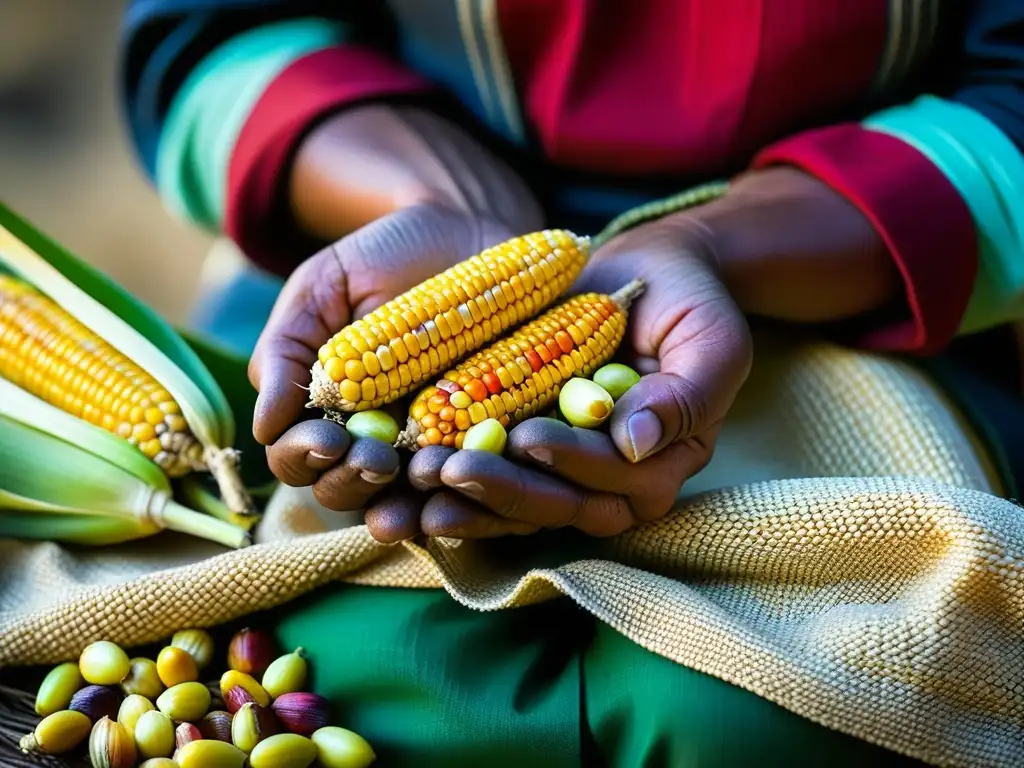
(65, 163)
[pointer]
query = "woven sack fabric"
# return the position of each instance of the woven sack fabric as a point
(845, 555)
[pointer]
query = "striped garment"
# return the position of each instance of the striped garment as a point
(912, 109)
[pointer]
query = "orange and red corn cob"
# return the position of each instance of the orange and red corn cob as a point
(518, 376)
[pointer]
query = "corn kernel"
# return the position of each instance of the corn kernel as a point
(488, 435)
(371, 364)
(461, 400)
(369, 389)
(335, 368)
(584, 403)
(355, 371)
(377, 425)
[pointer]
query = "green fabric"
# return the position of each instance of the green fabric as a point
(987, 170)
(431, 683)
(646, 711)
(212, 106)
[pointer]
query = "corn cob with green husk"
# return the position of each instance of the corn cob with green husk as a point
(47, 352)
(101, 406)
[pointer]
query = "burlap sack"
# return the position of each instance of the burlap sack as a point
(845, 555)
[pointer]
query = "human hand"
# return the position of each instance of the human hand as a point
(409, 194)
(780, 244)
(328, 291)
(687, 331)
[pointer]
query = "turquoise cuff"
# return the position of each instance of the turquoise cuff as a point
(987, 170)
(213, 105)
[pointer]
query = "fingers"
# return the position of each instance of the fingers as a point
(583, 456)
(590, 460)
(311, 306)
(395, 517)
(450, 515)
(532, 497)
(705, 353)
(306, 450)
(425, 468)
(369, 467)
(645, 365)
(352, 277)
(687, 320)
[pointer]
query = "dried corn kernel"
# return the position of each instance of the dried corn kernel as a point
(104, 663)
(584, 403)
(616, 379)
(488, 435)
(376, 425)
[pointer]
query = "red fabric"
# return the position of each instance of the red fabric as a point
(920, 215)
(674, 86)
(813, 59)
(308, 88)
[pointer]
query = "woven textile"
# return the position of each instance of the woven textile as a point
(845, 555)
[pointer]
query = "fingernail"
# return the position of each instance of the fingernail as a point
(320, 461)
(472, 489)
(541, 456)
(644, 433)
(375, 478)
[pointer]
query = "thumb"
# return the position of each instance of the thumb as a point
(704, 359)
(311, 303)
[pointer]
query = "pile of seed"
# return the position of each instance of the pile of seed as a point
(129, 712)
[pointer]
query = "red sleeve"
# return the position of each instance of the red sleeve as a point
(305, 91)
(920, 215)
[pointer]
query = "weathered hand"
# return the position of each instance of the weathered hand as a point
(687, 331)
(340, 284)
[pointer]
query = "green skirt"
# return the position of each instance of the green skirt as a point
(431, 683)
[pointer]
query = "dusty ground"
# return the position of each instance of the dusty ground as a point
(64, 159)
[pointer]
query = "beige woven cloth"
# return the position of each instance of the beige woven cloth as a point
(844, 556)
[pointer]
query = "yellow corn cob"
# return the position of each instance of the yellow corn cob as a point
(517, 377)
(48, 353)
(414, 337)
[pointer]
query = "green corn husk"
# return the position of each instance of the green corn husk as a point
(64, 479)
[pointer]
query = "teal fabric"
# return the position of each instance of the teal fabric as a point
(210, 110)
(988, 171)
(235, 313)
(431, 683)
